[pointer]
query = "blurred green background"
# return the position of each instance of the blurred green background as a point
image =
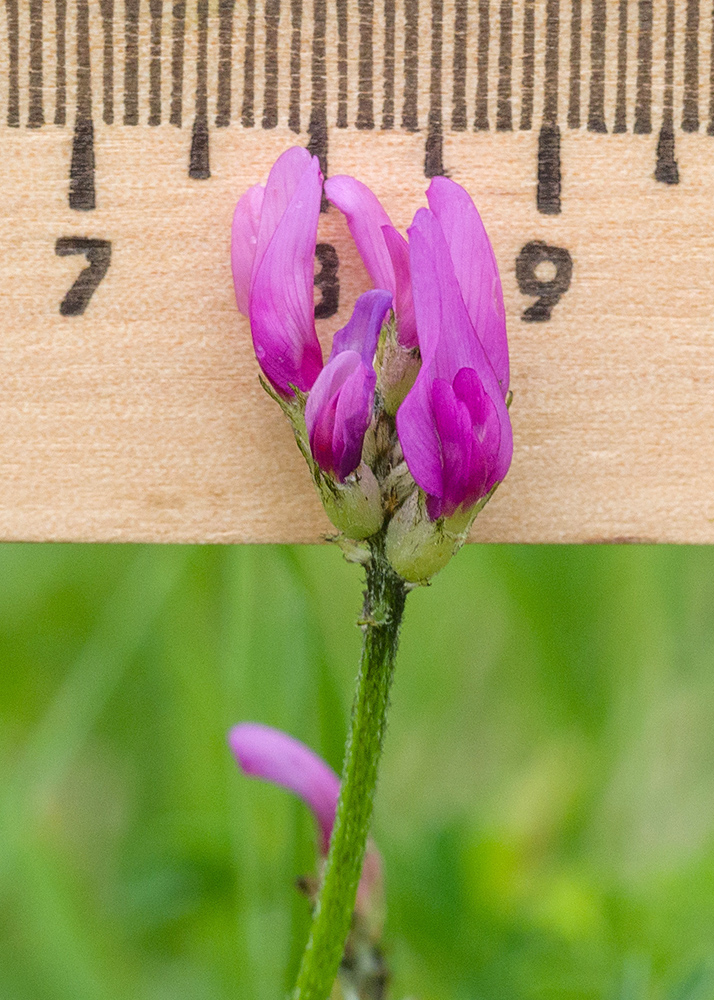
(546, 807)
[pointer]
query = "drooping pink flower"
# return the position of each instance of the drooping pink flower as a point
(339, 407)
(453, 426)
(272, 255)
(264, 752)
(383, 249)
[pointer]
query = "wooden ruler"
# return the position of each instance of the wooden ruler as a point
(584, 129)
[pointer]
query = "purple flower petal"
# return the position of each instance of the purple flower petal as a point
(282, 184)
(417, 435)
(365, 218)
(281, 298)
(398, 249)
(361, 332)
(475, 268)
(244, 240)
(336, 426)
(383, 250)
(264, 752)
(339, 407)
(352, 418)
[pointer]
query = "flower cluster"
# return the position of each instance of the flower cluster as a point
(406, 428)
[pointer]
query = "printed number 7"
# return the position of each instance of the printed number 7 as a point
(98, 254)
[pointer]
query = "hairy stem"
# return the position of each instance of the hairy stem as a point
(383, 609)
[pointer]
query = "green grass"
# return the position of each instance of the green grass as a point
(546, 808)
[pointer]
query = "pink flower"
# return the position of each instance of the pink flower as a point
(453, 426)
(383, 249)
(264, 752)
(339, 407)
(272, 256)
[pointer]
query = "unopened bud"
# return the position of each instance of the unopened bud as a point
(354, 506)
(418, 547)
(398, 367)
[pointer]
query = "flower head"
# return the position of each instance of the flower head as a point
(339, 407)
(272, 255)
(453, 426)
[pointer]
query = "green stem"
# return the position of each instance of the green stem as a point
(383, 609)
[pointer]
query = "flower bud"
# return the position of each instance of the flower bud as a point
(339, 407)
(417, 546)
(354, 506)
(398, 367)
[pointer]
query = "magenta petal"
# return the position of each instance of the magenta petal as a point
(453, 425)
(264, 752)
(475, 268)
(339, 411)
(418, 437)
(281, 311)
(244, 239)
(484, 418)
(282, 184)
(352, 418)
(442, 320)
(361, 333)
(365, 218)
(398, 249)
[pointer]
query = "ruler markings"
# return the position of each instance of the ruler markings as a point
(620, 124)
(61, 62)
(82, 195)
(548, 189)
(690, 112)
(365, 112)
(295, 61)
(317, 130)
(270, 94)
(504, 111)
(527, 82)
(598, 39)
(667, 170)
(199, 158)
(365, 99)
(84, 76)
(434, 158)
(156, 15)
(484, 39)
(247, 112)
(389, 65)
(131, 62)
(495, 74)
(410, 115)
(107, 11)
(710, 127)
(576, 28)
(177, 53)
(36, 115)
(342, 90)
(458, 109)
(13, 44)
(643, 100)
(226, 12)
(550, 89)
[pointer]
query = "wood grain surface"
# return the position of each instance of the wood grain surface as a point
(141, 418)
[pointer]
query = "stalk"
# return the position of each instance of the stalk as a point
(385, 596)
